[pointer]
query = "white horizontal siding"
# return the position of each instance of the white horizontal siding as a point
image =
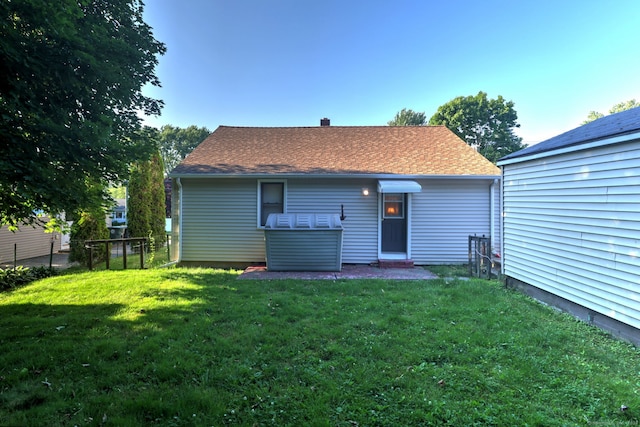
(446, 213)
(572, 227)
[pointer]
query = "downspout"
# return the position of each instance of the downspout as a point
(492, 215)
(179, 182)
(502, 212)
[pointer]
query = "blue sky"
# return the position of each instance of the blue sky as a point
(292, 62)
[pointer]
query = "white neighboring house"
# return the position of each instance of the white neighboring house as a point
(405, 194)
(571, 222)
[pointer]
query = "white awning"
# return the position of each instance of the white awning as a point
(399, 187)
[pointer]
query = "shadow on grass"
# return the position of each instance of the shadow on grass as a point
(203, 276)
(198, 347)
(67, 362)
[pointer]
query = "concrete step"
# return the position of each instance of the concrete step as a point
(395, 263)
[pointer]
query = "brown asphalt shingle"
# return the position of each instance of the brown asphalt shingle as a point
(330, 150)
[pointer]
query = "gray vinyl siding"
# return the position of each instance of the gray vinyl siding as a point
(445, 214)
(219, 221)
(572, 227)
(360, 236)
(28, 242)
(219, 217)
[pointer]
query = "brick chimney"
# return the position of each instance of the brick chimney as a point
(325, 122)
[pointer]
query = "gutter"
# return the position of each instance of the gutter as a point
(209, 175)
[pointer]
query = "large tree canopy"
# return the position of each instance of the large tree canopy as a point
(406, 117)
(70, 98)
(486, 124)
(175, 143)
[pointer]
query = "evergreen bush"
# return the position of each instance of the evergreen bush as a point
(146, 205)
(89, 226)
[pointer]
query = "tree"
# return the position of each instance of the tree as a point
(70, 94)
(621, 106)
(407, 117)
(88, 226)
(145, 207)
(176, 143)
(486, 124)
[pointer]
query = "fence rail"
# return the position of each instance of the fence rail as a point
(91, 246)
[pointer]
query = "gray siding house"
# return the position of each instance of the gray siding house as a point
(405, 194)
(28, 242)
(571, 232)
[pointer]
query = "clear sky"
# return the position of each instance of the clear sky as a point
(359, 62)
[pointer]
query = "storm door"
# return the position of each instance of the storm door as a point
(394, 223)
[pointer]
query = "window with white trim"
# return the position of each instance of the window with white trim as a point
(271, 199)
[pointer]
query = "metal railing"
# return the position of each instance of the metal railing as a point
(480, 262)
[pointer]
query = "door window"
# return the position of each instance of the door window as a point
(393, 206)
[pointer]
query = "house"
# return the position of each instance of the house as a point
(118, 215)
(571, 232)
(405, 194)
(27, 242)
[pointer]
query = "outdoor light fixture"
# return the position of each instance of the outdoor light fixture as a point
(365, 191)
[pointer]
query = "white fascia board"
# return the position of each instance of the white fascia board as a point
(336, 176)
(573, 148)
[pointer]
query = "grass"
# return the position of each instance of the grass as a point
(450, 270)
(183, 347)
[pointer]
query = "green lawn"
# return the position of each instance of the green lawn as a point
(183, 347)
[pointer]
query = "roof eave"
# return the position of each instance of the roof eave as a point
(335, 176)
(600, 142)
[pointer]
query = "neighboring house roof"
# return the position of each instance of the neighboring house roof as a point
(623, 123)
(334, 150)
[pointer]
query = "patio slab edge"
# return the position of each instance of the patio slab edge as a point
(347, 272)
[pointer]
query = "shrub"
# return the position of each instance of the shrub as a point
(90, 226)
(146, 205)
(12, 278)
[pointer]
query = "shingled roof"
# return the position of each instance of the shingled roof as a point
(334, 150)
(622, 123)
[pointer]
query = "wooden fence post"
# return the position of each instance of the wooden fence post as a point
(90, 257)
(51, 255)
(108, 253)
(141, 254)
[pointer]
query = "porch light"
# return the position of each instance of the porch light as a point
(365, 191)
